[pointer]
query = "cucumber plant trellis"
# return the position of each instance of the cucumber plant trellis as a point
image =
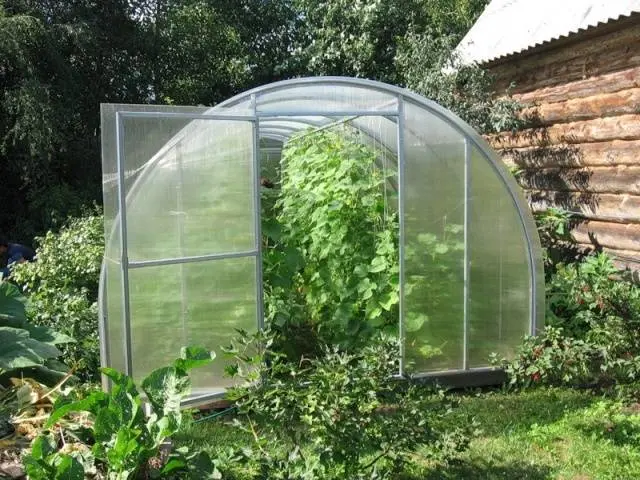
(182, 195)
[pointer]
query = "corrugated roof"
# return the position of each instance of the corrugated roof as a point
(507, 27)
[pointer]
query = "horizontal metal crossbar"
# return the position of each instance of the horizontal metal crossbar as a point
(198, 258)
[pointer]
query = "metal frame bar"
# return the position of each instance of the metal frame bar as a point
(194, 259)
(188, 116)
(259, 114)
(103, 332)
(329, 113)
(456, 371)
(257, 207)
(180, 221)
(465, 304)
(401, 225)
(196, 400)
(124, 263)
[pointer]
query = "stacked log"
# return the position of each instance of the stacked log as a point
(582, 148)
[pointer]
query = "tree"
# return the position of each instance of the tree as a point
(429, 67)
(62, 59)
(353, 38)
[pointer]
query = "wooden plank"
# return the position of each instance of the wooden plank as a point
(618, 179)
(623, 259)
(619, 208)
(616, 152)
(606, 83)
(607, 105)
(618, 50)
(607, 234)
(623, 127)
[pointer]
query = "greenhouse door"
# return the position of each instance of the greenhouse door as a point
(183, 236)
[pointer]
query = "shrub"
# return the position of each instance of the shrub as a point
(62, 285)
(341, 415)
(554, 227)
(117, 439)
(593, 319)
(26, 350)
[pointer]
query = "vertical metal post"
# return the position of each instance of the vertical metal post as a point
(180, 214)
(500, 269)
(257, 207)
(103, 330)
(124, 261)
(465, 304)
(401, 223)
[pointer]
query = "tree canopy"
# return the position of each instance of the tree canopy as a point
(59, 59)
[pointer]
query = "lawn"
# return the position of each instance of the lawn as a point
(540, 434)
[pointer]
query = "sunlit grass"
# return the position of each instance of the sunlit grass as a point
(542, 434)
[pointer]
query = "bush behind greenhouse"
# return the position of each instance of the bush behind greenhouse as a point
(62, 286)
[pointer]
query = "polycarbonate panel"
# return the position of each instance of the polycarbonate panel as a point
(154, 139)
(319, 97)
(499, 274)
(190, 304)
(195, 195)
(434, 243)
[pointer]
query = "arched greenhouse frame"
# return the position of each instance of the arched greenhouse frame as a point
(182, 201)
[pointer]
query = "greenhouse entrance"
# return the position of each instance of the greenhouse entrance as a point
(366, 206)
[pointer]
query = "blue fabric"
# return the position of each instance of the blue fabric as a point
(17, 252)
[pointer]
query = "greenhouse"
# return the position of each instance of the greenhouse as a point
(335, 207)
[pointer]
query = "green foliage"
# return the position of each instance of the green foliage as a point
(593, 319)
(341, 415)
(62, 286)
(59, 59)
(553, 358)
(363, 39)
(122, 439)
(337, 239)
(342, 37)
(26, 349)
(407, 43)
(199, 54)
(430, 68)
(433, 265)
(554, 228)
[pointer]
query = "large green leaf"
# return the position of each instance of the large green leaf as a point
(42, 447)
(193, 357)
(47, 335)
(37, 469)
(18, 350)
(48, 374)
(12, 303)
(65, 405)
(165, 388)
(69, 468)
(414, 321)
(106, 425)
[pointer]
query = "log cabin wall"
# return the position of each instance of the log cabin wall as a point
(582, 152)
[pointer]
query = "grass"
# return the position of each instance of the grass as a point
(548, 434)
(542, 434)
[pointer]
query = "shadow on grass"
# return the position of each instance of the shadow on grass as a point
(500, 413)
(472, 471)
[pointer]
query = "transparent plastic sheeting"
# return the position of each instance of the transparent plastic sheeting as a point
(472, 269)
